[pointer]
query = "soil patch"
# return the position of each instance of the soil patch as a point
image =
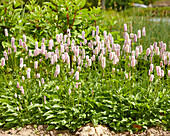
(88, 130)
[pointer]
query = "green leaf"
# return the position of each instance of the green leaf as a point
(95, 122)
(80, 3)
(77, 22)
(50, 127)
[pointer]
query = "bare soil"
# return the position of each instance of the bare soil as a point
(88, 130)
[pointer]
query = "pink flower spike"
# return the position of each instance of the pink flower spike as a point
(23, 78)
(2, 62)
(12, 42)
(21, 62)
(169, 73)
(24, 38)
(69, 91)
(139, 34)
(125, 27)
(38, 75)
(93, 33)
(15, 49)
(36, 64)
(18, 85)
(126, 76)
(44, 99)
(6, 32)
(143, 32)
(42, 80)
(22, 90)
(151, 67)
(57, 87)
(97, 30)
(162, 73)
(151, 77)
(83, 35)
(15, 95)
(77, 75)
(135, 38)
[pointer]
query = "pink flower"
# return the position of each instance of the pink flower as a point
(79, 68)
(135, 38)
(83, 35)
(23, 78)
(43, 40)
(77, 85)
(2, 62)
(133, 53)
(69, 91)
(93, 33)
(139, 34)
(38, 75)
(51, 44)
(151, 67)
(125, 27)
(21, 62)
(87, 57)
(93, 58)
(143, 32)
(17, 109)
(157, 50)
(103, 62)
(89, 62)
(126, 76)
(18, 85)
(15, 95)
(133, 61)
(24, 38)
(158, 69)
(161, 63)
(44, 99)
(58, 38)
(169, 73)
(77, 75)
(42, 80)
(28, 75)
(105, 34)
(12, 42)
(97, 30)
(22, 90)
(113, 70)
(36, 45)
(20, 42)
(149, 72)
(137, 51)
(162, 73)
(57, 87)
(6, 32)
(15, 49)
(36, 64)
(151, 77)
(62, 48)
(39, 84)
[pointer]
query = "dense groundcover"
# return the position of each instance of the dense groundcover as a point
(69, 80)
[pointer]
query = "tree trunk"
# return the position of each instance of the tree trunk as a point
(103, 4)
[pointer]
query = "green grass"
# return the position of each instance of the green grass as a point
(148, 12)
